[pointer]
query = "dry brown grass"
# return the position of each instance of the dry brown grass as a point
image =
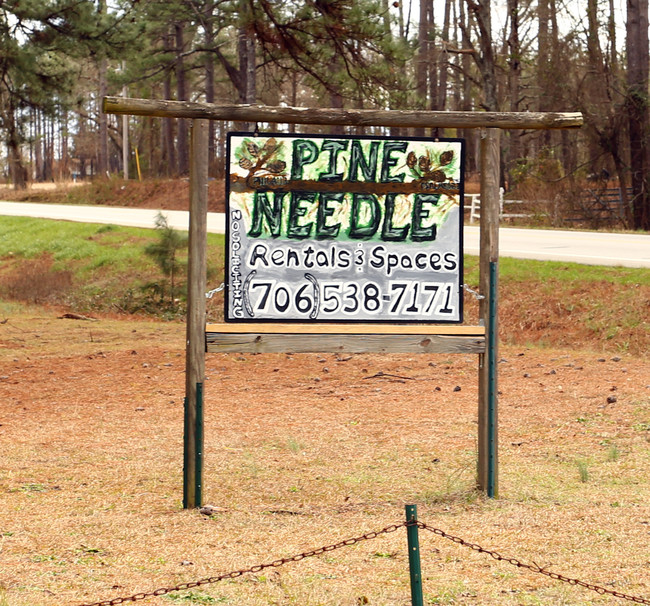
(304, 451)
(34, 281)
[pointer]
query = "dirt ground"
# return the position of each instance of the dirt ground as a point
(164, 194)
(303, 451)
(307, 450)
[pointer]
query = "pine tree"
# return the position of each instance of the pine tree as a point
(41, 44)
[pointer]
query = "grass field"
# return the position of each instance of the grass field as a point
(104, 269)
(304, 451)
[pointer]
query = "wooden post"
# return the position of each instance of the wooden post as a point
(488, 282)
(489, 122)
(196, 286)
(351, 117)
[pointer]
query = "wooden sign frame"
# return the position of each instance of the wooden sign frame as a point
(488, 122)
(344, 228)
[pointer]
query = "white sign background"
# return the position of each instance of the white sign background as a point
(344, 229)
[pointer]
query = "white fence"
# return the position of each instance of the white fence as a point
(474, 207)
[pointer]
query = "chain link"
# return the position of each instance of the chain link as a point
(372, 535)
(533, 567)
(214, 291)
(258, 568)
(476, 294)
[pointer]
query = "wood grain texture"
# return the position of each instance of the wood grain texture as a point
(354, 117)
(338, 329)
(489, 253)
(251, 342)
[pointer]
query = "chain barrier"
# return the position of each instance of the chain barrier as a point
(478, 296)
(372, 535)
(533, 567)
(238, 573)
(214, 291)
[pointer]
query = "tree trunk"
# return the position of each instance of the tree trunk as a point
(469, 135)
(485, 60)
(209, 78)
(38, 147)
(595, 86)
(443, 60)
(102, 152)
(181, 95)
(514, 88)
(16, 166)
(637, 110)
(168, 138)
(63, 161)
(544, 68)
(422, 61)
(247, 62)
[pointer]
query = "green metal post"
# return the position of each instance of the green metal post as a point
(414, 556)
(492, 383)
(186, 426)
(199, 446)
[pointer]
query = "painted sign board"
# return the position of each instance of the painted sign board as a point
(343, 229)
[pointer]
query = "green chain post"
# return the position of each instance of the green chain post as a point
(414, 556)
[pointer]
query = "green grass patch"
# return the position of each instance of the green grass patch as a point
(97, 245)
(89, 266)
(93, 267)
(528, 270)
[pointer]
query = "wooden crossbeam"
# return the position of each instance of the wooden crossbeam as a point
(356, 117)
(338, 338)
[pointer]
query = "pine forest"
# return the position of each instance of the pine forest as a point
(59, 58)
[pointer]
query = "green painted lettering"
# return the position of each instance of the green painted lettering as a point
(334, 148)
(390, 233)
(296, 211)
(325, 210)
(388, 161)
(420, 213)
(304, 152)
(358, 160)
(262, 209)
(365, 216)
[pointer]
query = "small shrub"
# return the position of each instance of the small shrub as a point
(613, 454)
(583, 470)
(165, 254)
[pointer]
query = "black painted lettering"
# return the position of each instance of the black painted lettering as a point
(450, 261)
(344, 259)
(258, 254)
(377, 259)
(277, 257)
(292, 258)
(308, 252)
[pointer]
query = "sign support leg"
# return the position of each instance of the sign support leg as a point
(195, 335)
(488, 461)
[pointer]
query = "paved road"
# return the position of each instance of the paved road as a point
(131, 217)
(591, 248)
(586, 247)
